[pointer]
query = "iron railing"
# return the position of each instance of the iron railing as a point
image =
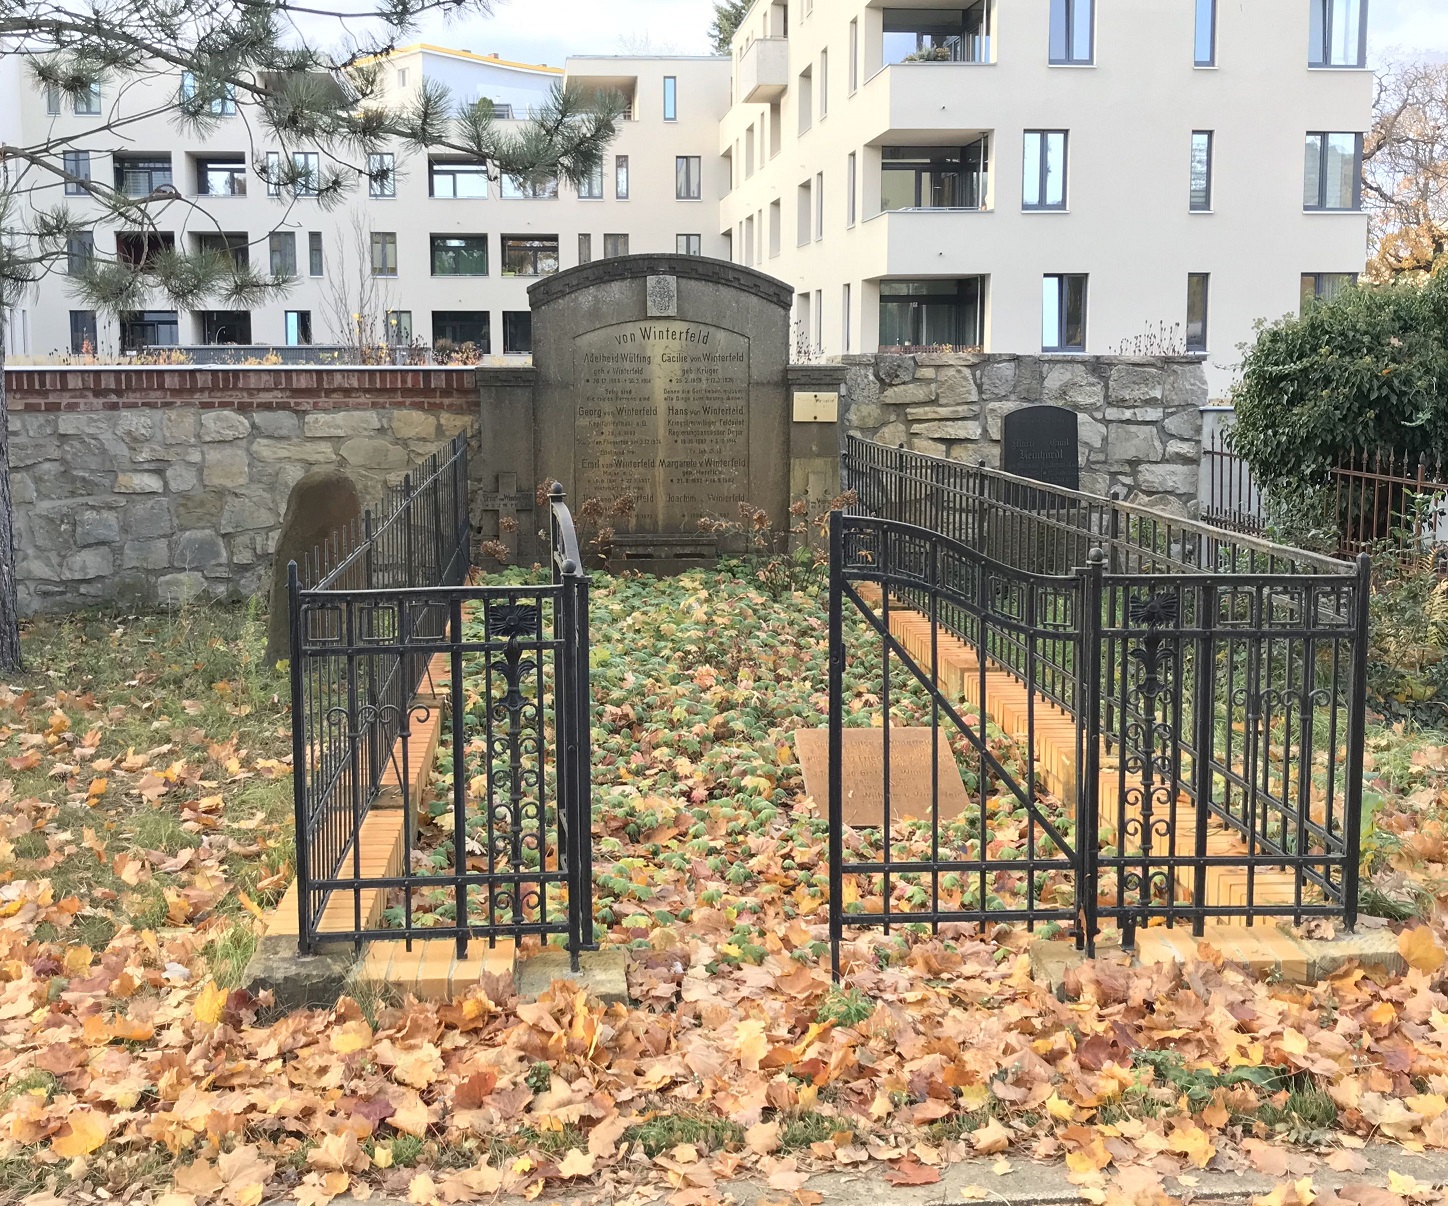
(1212, 685)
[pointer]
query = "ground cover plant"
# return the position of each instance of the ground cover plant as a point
(130, 1066)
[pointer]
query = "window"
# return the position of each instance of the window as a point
(149, 329)
(461, 327)
(224, 326)
(747, 240)
(218, 99)
(615, 245)
(52, 107)
(749, 145)
(1071, 30)
(1332, 172)
(845, 320)
(1201, 186)
(384, 253)
(671, 102)
(850, 204)
(520, 188)
(585, 248)
(819, 318)
(933, 312)
(273, 174)
(948, 35)
(590, 188)
(77, 170)
(298, 327)
(217, 177)
(803, 212)
(234, 244)
(88, 103)
(402, 77)
(1338, 33)
(456, 178)
(824, 83)
(776, 221)
(314, 252)
(819, 204)
(620, 177)
(687, 184)
(502, 111)
(931, 177)
(282, 245)
(1063, 314)
(805, 99)
(688, 244)
(517, 332)
(381, 175)
(399, 327)
(307, 173)
(1043, 182)
(1205, 35)
(459, 255)
(523, 256)
(854, 54)
(142, 176)
(1197, 287)
(83, 332)
(776, 132)
(80, 250)
(137, 248)
(1324, 286)
(804, 318)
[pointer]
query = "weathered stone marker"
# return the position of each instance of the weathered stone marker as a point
(1039, 442)
(863, 774)
(322, 502)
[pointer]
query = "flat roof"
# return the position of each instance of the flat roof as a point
(429, 48)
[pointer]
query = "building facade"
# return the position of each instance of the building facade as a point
(1028, 176)
(1048, 175)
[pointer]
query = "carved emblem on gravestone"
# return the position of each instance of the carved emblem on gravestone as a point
(1039, 442)
(662, 296)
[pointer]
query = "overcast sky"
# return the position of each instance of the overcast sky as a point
(545, 31)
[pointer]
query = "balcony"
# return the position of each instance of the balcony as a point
(918, 102)
(763, 71)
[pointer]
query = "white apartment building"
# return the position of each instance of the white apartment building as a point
(1048, 175)
(442, 253)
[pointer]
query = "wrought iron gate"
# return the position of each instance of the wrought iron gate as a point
(1157, 722)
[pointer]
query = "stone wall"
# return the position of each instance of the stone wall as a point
(1139, 421)
(156, 485)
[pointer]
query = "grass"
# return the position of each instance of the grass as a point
(663, 1132)
(845, 1007)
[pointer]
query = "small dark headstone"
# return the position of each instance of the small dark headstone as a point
(1039, 442)
(321, 502)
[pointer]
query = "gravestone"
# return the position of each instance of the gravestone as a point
(1039, 442)
(322, 502)
(863, 774)
(660, 391)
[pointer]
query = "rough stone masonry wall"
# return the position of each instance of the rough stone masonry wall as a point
(158, 485)
(1139, 420)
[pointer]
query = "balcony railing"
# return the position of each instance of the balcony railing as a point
(764, 70)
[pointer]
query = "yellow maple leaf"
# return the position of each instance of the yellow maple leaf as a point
(382, 1155)
(421, 1190)
(351, 1036)
(1059, 1107)
(576, 1163)
(1090, 1157)
(991, 1138)
(209, 1004)
(1420, 948)
(85, 1131)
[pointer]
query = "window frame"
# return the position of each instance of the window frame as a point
(591, 187)
(970, 290)
(693, 244)
(615, 242)
(383, 240)
(84, 256)
(852, 198)
(1210, 182)
(454, 170)
(1321, 206)
(432, 250)
(512, 188)
(310, 183)
(671, 98)
(92, 96)
(690, 185)
(72, 163)
(380, 186)
(232, 169)
(585, 248)
(316, 259)
(303, 318)
(278, 242)
(927, 170)
(1063, 285)
(88, 326)
(854, 55)
(508, 330)
(1071, 26)
(1319, 280)
(1198, 347)
(1043, 172)
(151, 166)
(1319, 36)
(1210, 8)
(620, 174)
(484, 345)
(520, 242)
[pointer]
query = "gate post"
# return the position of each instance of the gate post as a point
(300, 777)
(1357, 723)
(836, 750)
(1088, 726)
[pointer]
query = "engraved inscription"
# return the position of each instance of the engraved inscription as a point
(663, 417)
(1040, 442)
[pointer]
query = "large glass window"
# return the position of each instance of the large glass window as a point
(590, 188)
(381, 174)
(854, 53)
(221, 177)
(224, 326)
(399, 327)
(850, 201)
(282, 245)
(523, 256)
(83, 337)
(933, 313)
(1338, 33)
(615, 245)
(688, 244)
(1332, 171)
(1043, 178)
(460, 255)
(307, 173)
(453, 178)
(1063, 314)
(585, 248)
(938, 35)
(234, 244)
(77, 170)
(314, 252)
(142, 175)
(931, 177)
(384, 253)
(1201, 186)
(218, 99)
(149, 329)
(521, 188)
(137, 248)
(671, 99)
(620, 177)
(88, 103)
(80, 251)
(687, 183)
(273, 174)
(459, 327)
(1324, 286)
(1072, 30)
(1205, 34)
(298, 327)
(517, 332)
(1198, 284)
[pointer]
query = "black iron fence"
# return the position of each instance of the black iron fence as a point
(1185, 704)
(507, 853)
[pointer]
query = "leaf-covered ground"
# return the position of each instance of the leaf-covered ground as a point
(153, 820)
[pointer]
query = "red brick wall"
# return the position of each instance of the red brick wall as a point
(242, 388)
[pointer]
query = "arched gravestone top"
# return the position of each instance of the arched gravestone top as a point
(322, 502)
(1039, 442)
(661, 380)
